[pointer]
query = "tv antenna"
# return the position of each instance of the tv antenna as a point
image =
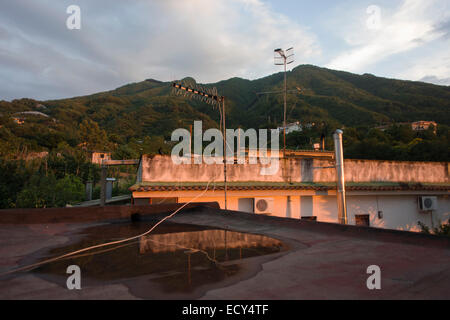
(282, 57)
(210, 96)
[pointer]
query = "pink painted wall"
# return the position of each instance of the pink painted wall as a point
(162, 169)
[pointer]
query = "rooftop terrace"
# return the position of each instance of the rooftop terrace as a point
(318, 260)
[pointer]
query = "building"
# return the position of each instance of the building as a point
(18, 120)
(97, 157)
(291, 127)
(423, 125)
(384, 194)
(416, 126)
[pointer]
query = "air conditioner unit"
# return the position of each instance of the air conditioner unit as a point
(264, 205)
(427, 203)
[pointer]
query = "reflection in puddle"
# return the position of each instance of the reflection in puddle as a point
(177, 258)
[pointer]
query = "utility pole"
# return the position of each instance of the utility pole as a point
(284, 58)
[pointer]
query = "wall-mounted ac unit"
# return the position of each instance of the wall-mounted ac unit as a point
(427, 203)
(264, 205)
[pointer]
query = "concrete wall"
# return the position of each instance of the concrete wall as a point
(97, 157)
(86, 214)
(162, 169)
(399, 210)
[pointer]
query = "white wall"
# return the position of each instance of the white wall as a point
(399, 212)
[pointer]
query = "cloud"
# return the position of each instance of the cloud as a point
(126, 41)
(436, 80)
(433, 67)
(444, 27)
(415, 23)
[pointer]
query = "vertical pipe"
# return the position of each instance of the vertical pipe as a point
(239, 143)
(289, 207)
(189, 267)
(284, 117)
(88, 190)
(340, 181)
(226, 252)
(224, 152)
(103, 186)
(190, 141)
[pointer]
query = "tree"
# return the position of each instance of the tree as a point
(39, 192)
(69, 190)
(46, 192)
(443, 229)
(93, 136)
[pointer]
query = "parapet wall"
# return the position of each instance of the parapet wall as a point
(162, 169)
(90, 214)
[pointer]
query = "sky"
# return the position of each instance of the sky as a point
(126, 41)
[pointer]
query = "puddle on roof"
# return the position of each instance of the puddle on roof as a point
(174, 257)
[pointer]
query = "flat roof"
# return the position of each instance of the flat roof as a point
(324, 260)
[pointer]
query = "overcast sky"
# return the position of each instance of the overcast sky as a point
(131, 40)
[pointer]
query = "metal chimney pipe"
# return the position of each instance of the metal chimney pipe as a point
(340, 180)
(103, 185)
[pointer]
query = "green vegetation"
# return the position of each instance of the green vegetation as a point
(443, 229)
(139, 118)
(397, 142)
(46, 191)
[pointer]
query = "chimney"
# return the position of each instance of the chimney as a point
(340, 181)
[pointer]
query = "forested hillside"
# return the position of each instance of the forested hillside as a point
(148, 109)
(139, 118)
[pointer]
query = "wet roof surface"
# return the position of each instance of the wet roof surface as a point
(175, 258)
(323, 261)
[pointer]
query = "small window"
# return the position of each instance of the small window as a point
(102, 156)
(362, 220)
(246, 205)
(310, 218)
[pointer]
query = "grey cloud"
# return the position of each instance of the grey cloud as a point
(443, 27)
(124, 41)
(436, 80)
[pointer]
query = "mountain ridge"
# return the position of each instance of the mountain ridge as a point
(148, 108)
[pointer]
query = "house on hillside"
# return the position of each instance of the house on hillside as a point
(416, 126)
(18, 120)
(423, 125)
(97, 157)
(384, 194)
(291, 127)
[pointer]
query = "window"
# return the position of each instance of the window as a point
(246, 205)
(310, 218)
(362, 220)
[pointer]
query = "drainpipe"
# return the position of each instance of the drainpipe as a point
(103, 186)
(340, 181)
